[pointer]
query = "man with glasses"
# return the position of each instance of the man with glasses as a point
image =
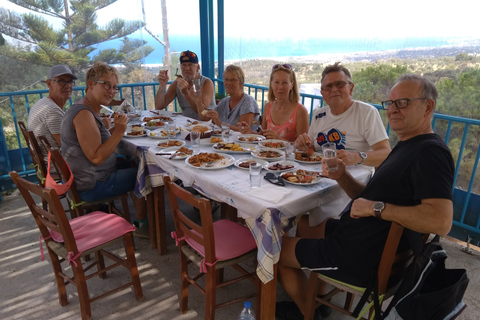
(412, 187)
(46, 115)
(355, 126)
(192, 103)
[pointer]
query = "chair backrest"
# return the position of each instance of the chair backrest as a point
(203, 234)
(55, 219)
(35, 153)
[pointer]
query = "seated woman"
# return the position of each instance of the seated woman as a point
(238, 106)
(89, 148)
(283, 117)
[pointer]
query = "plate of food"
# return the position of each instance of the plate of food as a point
(157, 118)
(250, 138)
(154, 124)
(309, 157)
(302, 177)
(210, 161)
(136, 131)
(281, 166)
(171, 143)
(210, 141)
(160, 134)
(273, 143)
(245, 163)
(181, 153)
(269, 154)
(232, 147)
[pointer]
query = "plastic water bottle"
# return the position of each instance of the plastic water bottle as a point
(247, 312)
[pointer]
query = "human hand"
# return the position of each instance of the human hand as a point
(120, 121)
(362, 208)
(212, 114)
(182, 85)
(244, 128)
(303, 142)
(162, 78)
(106, 122)
(270, 134)
(350, 158)
(334, 175)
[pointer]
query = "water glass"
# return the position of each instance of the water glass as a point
(171, 131)
(138, 111)
(195, 141)
(330, 155)
(197, 87)
(225, 133)
(255, 174)
(289, 150)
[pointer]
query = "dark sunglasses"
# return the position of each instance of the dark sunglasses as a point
(286, 66)
(188, 53)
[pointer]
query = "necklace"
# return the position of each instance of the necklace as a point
(88, 103)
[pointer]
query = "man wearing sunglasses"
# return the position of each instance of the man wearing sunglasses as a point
(46, 115)
(192, 103)
(412, 187)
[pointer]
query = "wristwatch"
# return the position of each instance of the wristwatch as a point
(364, 157)
(378, 208)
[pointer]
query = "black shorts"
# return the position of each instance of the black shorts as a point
(310, 253)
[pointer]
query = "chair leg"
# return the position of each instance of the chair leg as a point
(100, 264)
(132, 262)
(57, 269)
(126, 210)
(312, 289)
(82, 290)
(184, 283)
(210, 293)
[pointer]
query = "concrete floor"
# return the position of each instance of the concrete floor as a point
(28, 291)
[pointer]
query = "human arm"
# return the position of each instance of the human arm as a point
(380, 151)
(201, 102)
(116, 102)
(345, 180)
(245, 120)
(89, 136)
(302, 126)
(57, 139)
(162, 98)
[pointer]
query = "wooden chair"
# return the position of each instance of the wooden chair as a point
(392, 265)
(76, 204)
(70, 240)
(211, 246)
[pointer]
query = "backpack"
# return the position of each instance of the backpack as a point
(429, 290)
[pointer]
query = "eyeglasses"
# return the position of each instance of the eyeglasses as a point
(63, 83)
(108, 86)
(286, 66)
(230, 80)
(400, 103)
(188, 53)
(337, 84)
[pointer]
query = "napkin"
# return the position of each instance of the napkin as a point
(126, 107)
(269, 192)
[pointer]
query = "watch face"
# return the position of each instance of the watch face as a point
(378, 206)
(363, 155)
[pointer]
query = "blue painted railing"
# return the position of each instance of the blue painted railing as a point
(458, 133)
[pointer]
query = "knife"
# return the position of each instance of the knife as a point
(173, 155)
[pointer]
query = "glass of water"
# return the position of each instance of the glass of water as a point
(255, 174)
(225, 132)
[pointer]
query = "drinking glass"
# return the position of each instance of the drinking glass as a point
(255, 174)
(289, 150)
(196, 87)
(225, 133)
(330, 155)
(171, 131)
(195, 141)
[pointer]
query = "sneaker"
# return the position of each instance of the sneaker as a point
(324, 311)
(288, 310)
(142, 232)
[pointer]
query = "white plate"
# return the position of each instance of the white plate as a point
(259, 138)
(237, 163)
(219, 164)
(172, 150)
(256, 154)
(311, 162)
(154, 127)
(160, 134)
(283, 163)
(264, 144)
(146, 132)
(166, 141)
(315, 181)
(246, 148)
(166, 117)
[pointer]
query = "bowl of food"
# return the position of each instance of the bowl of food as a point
(272, 143)
(268, 154)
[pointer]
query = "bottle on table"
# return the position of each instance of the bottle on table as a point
(247, 312)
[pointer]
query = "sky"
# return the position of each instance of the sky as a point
(308, 18)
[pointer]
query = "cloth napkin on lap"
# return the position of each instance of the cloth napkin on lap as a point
(269, 192)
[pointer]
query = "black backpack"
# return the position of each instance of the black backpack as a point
(429, 291)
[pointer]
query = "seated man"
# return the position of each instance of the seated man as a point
(182, 88)
(412, 187)
(352, 125)
(46, 115)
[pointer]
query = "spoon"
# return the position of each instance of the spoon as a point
(209, 164)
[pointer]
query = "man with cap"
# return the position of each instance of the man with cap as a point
(182, 88)
(46, 115)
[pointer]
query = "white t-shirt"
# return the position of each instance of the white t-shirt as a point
(358, 128)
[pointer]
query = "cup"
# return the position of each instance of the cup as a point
(171, 131)
(195, 141)
(289, 150)
(225, 133)
(330, 155)
(197, 87)
(255, 174)
(138, 111)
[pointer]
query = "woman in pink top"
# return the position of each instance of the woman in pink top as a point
(283, 117)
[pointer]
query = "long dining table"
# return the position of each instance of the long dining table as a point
(269, 211)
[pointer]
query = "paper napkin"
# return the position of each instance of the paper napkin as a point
(269, 192)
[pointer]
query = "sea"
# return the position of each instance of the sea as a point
(240, 48)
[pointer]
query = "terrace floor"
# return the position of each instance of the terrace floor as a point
(28, 291)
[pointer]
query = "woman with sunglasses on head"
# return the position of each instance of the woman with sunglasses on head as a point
(283, 116)
(89, 148)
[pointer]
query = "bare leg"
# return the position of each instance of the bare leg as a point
(140, 207)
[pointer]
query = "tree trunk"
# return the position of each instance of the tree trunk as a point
(165, 35)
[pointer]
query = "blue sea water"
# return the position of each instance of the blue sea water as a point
(254, 48)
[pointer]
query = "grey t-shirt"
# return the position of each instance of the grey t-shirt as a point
(85, 173)
(246, 105)
(187, 111)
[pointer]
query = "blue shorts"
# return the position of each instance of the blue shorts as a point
(119, 182)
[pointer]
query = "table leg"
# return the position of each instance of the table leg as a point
(228, 212)
(160, 226)
(268, 296)
(151, 219)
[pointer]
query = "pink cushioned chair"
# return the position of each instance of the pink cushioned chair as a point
(211, 246)
(70, 240)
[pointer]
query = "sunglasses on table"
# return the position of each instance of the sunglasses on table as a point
(337, 84)
(400, 103)
(286, 66)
